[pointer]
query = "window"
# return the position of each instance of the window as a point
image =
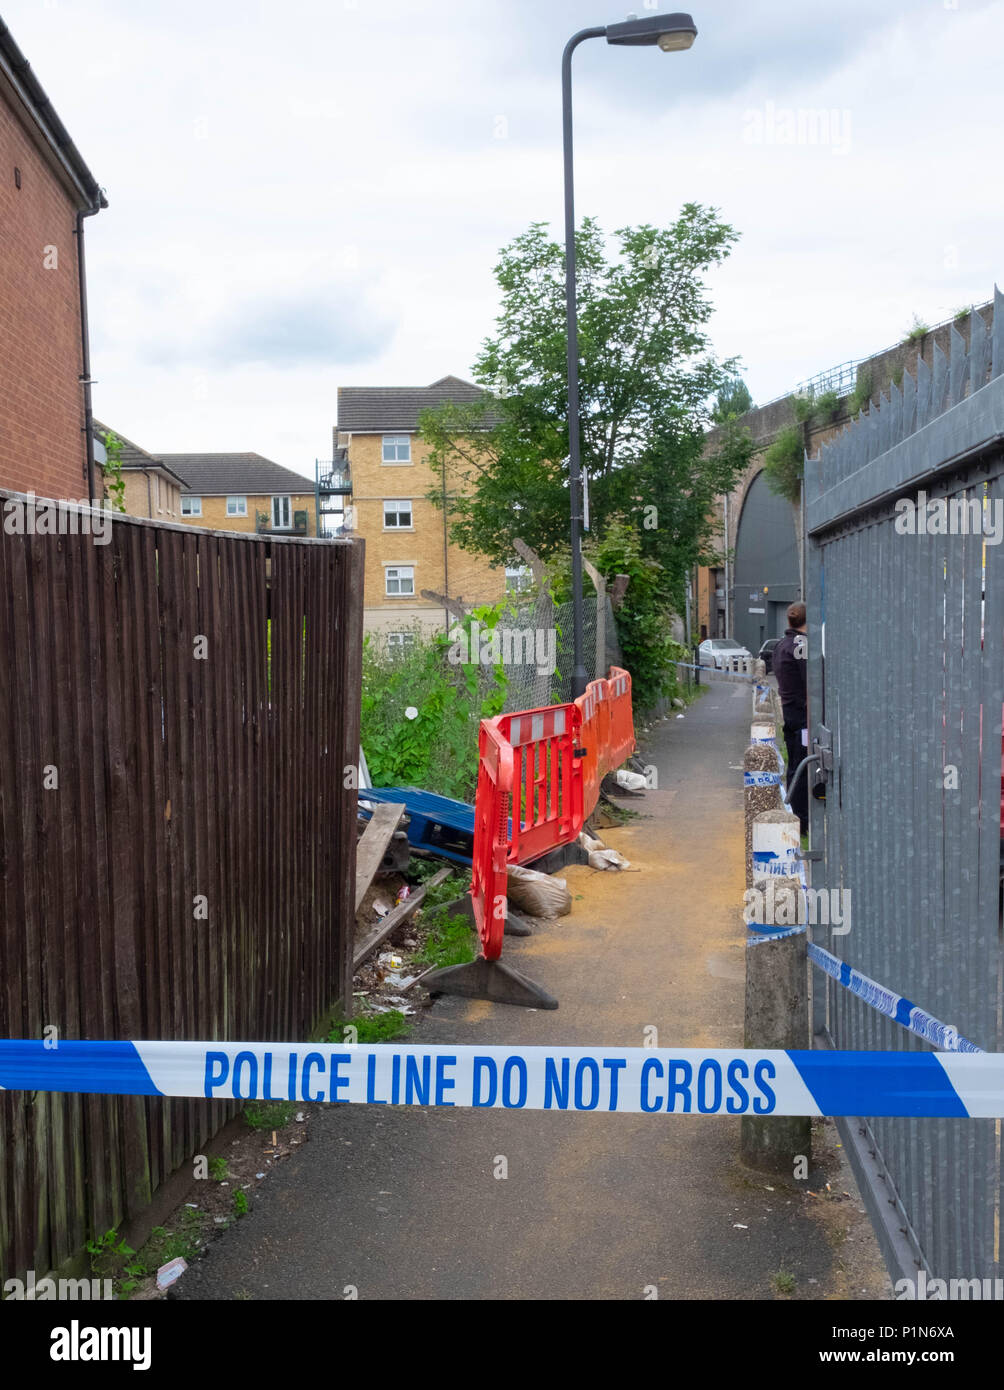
(396, 448)
(396, 515)
(399, 579)
(282, 514)
(518, 578)
(237, 506)
(191, 506)
(400, 641)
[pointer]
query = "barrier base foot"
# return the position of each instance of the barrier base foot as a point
(515, 925)
(491, 980)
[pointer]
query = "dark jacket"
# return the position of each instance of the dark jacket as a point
(791, 672)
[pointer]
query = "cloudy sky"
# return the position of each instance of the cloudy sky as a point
(305, 194)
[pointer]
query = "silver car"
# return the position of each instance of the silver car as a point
(724, 654)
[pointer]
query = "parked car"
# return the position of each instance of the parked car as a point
(722, 653)
(766, 653)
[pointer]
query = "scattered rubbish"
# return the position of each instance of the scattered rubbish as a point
(402, 893)
(411, 712)
(590, 842)
(768, 1189)
(380, 907)
(193, 1205)
(680, 716)
(259, 1175)
(222, 1220)
(679, 703)
(607, 859)
(737, 1227)
(632, 781)
(173, 1270)
(538, 894)
(299, 1117)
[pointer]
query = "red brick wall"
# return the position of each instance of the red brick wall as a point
(41, 399)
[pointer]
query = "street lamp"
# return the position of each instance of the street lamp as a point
(671, 32)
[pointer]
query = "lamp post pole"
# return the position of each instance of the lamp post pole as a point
(579, 676)
(671, 32)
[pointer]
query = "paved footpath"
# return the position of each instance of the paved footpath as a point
(404, 1204)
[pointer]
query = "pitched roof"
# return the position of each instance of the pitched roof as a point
(133, 457)
(218, 475)
(377, 409)
(18, 77)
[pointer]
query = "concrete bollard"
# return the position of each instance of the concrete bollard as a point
(777, 1016)
(775, 843)
(761, 792)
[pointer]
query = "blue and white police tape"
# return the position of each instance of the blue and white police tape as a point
(893, 1005)
(632, 1080)
(718, 671)
(761, 779)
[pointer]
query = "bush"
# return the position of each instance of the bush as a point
(436, 748)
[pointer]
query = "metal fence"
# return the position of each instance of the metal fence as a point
(906, 686)
(177, 840)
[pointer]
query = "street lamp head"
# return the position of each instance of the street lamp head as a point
(672, 32)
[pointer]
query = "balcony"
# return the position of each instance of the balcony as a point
(332, 479)
(264, 527)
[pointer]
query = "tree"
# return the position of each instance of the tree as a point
(646, 377)
(733, 401)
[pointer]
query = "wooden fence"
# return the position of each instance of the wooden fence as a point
(177, 842)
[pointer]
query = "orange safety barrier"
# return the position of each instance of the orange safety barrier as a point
(620, 742)
(529, 801)
(539, 777)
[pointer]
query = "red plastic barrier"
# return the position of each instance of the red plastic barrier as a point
(529, 800)
(620, 742)
(538, 779)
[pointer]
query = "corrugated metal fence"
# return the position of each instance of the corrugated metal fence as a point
(906, 643)
(177, 842)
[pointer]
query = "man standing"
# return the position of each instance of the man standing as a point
(790, 667)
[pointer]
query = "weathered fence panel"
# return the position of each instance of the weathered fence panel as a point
(906, 676)
(177, 841)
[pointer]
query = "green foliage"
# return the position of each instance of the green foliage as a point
(783, 1281)
(373, 1027)
(265, 1114)
(861, 396)
(114, 482)
(112, 1258)
(241, 1203)
(645, 617)
(733, 401)
(438, 748)
(784, 462)
(917, 330)
(218, 1167)
(450, 941)
(646, 375)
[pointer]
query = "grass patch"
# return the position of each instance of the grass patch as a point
(372, 1027)
(450, 942)
(218, 1167)
(265, 1114)
(783, 1282)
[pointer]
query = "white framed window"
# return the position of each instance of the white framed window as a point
(191, 506)
(400, 641)
(397, 514)
(518, 578)
(399, 580)
(396, 448)
(237, 506)
(282, 513)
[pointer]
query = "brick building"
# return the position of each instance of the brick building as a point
(388, 478)
(243, 492)
(151, 487)
(46, 191)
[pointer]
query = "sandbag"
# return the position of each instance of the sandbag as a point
(537, 894)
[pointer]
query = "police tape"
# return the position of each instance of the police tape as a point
(719, 671)
(633, 1080)
(893, 1005)
(761, 779)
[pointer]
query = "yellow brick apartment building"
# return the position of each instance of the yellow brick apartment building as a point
(411, 564)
